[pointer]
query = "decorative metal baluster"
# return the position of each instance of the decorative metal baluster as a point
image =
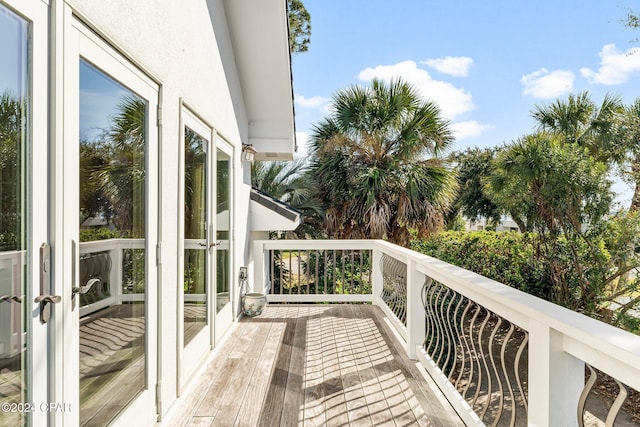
(617, 404)
(431, 326)
(443, 324)
(465, 349)
(585, 394)
(482, 359)
(450, 336)
(506, 376)
(473, 356)
(497, 375)
(516, 365)
(439, 333)
(456, 334)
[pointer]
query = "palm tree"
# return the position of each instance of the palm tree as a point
(113, 170)
(376, 163)
(630, 135)
(582, 122)
(289, 182)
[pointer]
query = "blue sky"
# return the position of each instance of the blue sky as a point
(487, 64)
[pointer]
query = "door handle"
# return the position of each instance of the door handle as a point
(45, 311)
(44, 299)
(48, 299)
(10, 298)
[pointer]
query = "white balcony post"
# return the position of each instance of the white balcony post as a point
(376, 274)
(115, 276)
(415, 310)
(259, 263)
(556, 379)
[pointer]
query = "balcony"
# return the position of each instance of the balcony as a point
(496, 355)
(424, 341)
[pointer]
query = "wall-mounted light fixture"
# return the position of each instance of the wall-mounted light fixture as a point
(248, 152)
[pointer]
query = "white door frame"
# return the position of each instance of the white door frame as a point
(196, 350)
(35, 366)
(81, 42)
(225, 317)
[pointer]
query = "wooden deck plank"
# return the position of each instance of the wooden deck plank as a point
(274, 400)
(314, 404)
(229, 405)
(429, 409)
(201, 422)
(335, 365)
(252, 404)
(293, 404)
(336, 345)
(369, 372)
(354, 393)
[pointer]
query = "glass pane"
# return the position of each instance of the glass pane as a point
(223, 183)
(195, 234)
(112, 255)
(13, 213)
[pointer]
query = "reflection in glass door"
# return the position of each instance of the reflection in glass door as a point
(224, 313)
(195, 235)
(112, 282)
(14, 170)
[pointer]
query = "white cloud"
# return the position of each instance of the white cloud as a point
(302, 139)
(453, 101)
(315, 102)
(452, 65)
(469, 129)
(615, 66)
(548, 84)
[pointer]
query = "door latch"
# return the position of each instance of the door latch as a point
(45, 298)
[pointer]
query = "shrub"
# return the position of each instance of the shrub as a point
(507, 257)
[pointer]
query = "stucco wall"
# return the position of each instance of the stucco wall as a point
(185, 46)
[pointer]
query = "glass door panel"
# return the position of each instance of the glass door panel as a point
(223, 221)
(195, 235)
(224, 224)
(112, 256)
(14, 170)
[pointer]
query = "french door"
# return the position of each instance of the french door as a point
(206, 264)
(24, 392)
(224, 239)
(197, 243)
(106, 193)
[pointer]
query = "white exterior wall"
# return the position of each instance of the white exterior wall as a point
(185, 46)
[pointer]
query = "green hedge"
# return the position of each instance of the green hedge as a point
(507, 257)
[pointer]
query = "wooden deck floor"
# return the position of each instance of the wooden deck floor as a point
(321, 365)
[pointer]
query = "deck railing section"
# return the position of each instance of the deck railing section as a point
(394, 286)
(502, 357)
(299, 272)
(110, 273)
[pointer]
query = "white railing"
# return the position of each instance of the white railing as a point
(114, 249)
(463, 318)
(11, 295)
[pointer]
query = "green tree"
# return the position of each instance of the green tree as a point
(632, 22)
(561, 192)
(290, 182)
(474, 167)
(629, 136)
(377, 164)
(113, 170)
(299, 26)
(579, 120)
(12, 125)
